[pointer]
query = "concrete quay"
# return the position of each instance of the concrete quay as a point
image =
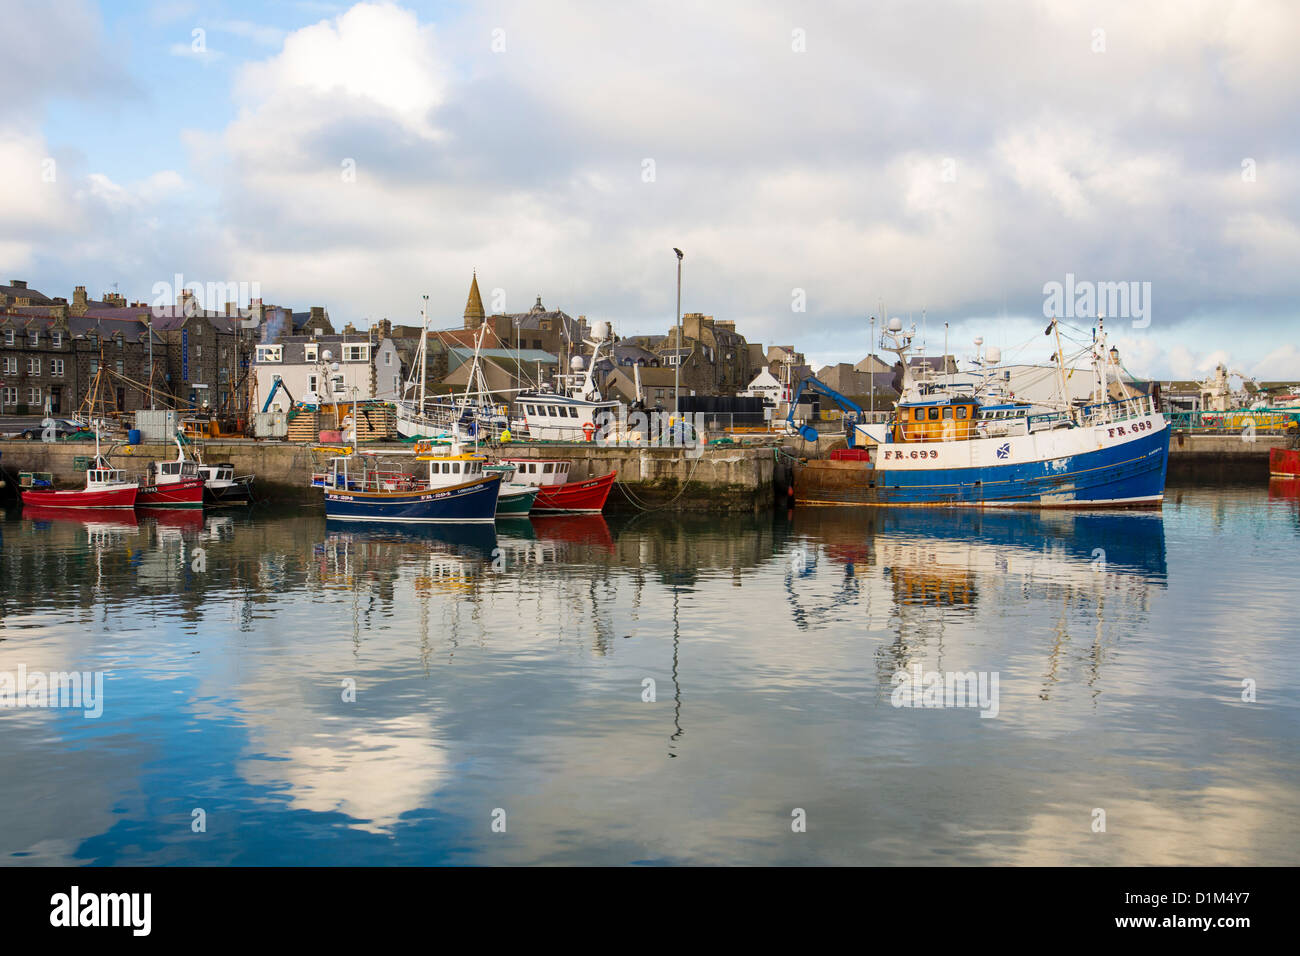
(719, 478)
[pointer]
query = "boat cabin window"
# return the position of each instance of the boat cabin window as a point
(961, 411)
(573, 411)
(919, 414)
(548, 468)
(947, 412)
(564, 468)
(934, 413)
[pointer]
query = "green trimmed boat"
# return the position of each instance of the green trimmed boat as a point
(514, 500)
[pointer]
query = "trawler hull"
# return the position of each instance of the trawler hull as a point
(474, 501)
(1110, 465)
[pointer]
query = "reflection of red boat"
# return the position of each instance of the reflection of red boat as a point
(574, 529)
(186, 518)
(1284, 462)
(92, 518)
(556, 493)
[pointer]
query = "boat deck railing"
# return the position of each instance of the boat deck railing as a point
(1263, 421)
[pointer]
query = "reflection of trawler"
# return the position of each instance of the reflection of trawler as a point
(951, 558)
(446, 557)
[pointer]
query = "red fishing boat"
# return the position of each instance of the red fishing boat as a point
(106, 487)
(555, 492)
(1284, 462)
(172, 484)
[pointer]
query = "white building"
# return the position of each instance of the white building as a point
(316, 368)
(767, 387)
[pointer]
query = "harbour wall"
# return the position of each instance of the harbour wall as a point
(722, 478)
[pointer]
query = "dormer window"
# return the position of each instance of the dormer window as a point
(56, 339)
(9, 336)
(34, 338)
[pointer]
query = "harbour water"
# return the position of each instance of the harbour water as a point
(660, 689)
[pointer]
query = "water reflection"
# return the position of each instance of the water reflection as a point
(507, 667)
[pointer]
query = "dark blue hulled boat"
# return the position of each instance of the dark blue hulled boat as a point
(455, 490)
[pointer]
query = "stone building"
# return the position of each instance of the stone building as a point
(200, 357)
(714, 358)
(540, 329)
(51, 352)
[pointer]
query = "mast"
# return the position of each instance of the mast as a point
(1060, 364)
(424, 345)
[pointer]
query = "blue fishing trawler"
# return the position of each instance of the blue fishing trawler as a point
(951, 443)
(447, 488)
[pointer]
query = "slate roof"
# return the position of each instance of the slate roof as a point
(14, 292)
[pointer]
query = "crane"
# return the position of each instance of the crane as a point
(279, 384)
(852, 411)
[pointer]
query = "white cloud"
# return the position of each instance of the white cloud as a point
(775, 170)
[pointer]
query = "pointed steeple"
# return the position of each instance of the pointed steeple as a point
(474, 314)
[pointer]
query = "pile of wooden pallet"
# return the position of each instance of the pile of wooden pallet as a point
(376, 421)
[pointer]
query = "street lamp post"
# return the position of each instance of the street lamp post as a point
(677, 366)
(871, 369)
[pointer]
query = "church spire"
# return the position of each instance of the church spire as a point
(474, 307)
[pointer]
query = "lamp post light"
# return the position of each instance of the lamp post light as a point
(871, 368)
(677, 366)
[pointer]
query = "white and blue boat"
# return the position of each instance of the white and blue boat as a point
(966, 445)
(446, 489)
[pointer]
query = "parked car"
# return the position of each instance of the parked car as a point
(63, 428)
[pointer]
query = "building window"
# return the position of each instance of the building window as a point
(388, 358)
(9, 340)
(33, 366)
(336, 384)
(269, 353)
(9, 396)
(33, 396)
(356, 353)
(56, 368)
(120, 369)
(311, 383)
(11, 365)
(309, 353)
(34, 338)
(56, 339)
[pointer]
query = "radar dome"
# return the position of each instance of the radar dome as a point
(327, 355)
(600, 330)
(576, 363)
(895, 324)
(993, 354)
(979, 340)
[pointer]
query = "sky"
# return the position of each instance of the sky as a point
(818, 163)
